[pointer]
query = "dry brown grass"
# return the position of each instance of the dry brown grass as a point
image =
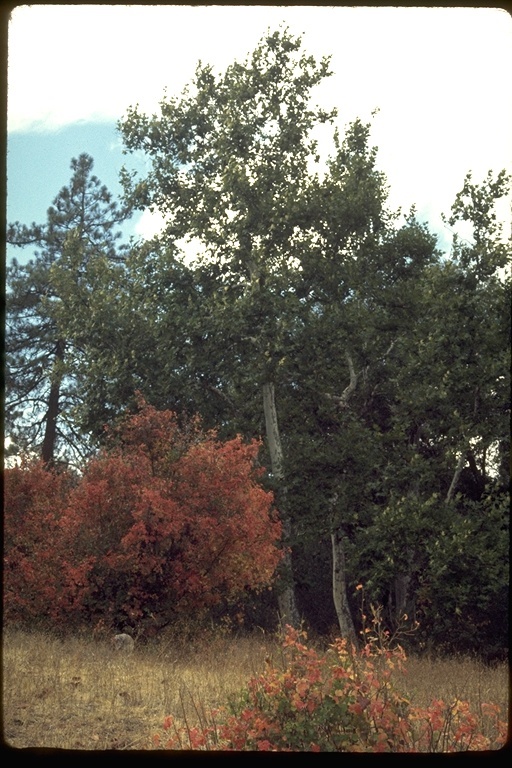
(81, 694)
(461, 678)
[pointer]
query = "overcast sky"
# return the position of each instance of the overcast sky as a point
(439, 76)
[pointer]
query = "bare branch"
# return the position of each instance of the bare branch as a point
(389, 349)
(342, 400)
(221, 394)
(456, 475)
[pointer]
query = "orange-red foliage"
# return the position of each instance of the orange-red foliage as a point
(35, 582)
(342, 701)
(165, 520)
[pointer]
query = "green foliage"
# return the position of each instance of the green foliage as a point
(48, 300)
(390, 361)
(229, 157)
(465, 586)
(475, 205)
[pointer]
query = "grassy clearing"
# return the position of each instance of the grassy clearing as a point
(461, 678)
(80, 694)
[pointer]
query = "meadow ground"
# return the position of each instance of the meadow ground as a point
(78, 693)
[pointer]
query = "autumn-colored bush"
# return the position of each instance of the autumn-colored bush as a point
(166, 520)
(36, 584)
(339, 701)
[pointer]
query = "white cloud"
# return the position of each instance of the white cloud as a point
(440, 76)
(149, 224)
(80, 62)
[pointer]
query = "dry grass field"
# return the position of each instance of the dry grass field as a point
(81, 694)
(457, 678)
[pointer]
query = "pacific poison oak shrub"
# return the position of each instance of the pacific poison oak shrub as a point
(166, 520)
(39, 581)
(340, 701)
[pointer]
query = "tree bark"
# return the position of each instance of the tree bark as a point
(288, 611)
(401, 588)
(456, 475)
(339, 577)
(401, 585)
(339, 586)
(52, 413)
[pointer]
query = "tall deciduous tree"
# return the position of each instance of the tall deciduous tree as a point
(376, 366)
(231, 167)
(293, 253)
(47, 300)
(442, 485)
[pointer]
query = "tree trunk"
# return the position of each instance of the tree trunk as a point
(339, 576)
(456, 475)
(50, 432)
(288, 611)
(401, 589)
(339, 586)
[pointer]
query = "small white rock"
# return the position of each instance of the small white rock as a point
(123, 643)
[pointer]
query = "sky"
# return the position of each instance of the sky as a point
(440, 78)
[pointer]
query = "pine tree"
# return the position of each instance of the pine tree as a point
(44, 298)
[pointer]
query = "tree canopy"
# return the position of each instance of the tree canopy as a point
(47, 301)
(374, 367)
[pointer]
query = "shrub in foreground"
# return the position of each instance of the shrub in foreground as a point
(340, 701)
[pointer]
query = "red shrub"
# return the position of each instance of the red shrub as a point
(341, 701)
